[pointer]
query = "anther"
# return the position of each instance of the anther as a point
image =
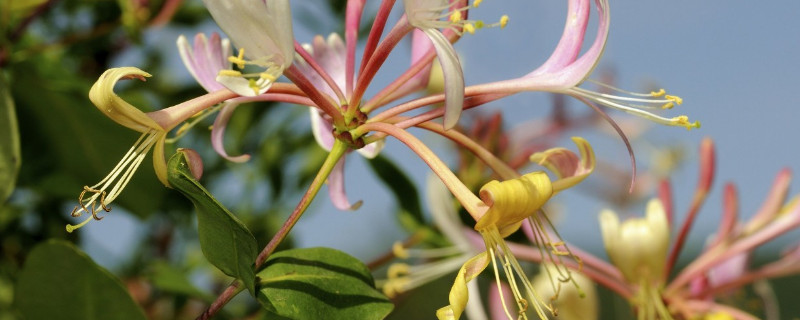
(676, 99)
(399, 250)
(658, 93)
(238, 60)
(503, 21)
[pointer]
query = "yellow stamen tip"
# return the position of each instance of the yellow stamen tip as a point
(659, 93)
(455, 16)
(477, 3)
(229, 73)
(684, 122)
(503, 21)
(397, 270)
(676, 99)
(668, 105)
(399, 250)
(469, 28)
(238, 60)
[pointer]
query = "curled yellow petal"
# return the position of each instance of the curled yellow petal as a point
(103, 96)
(566, 165)
(459, 294)
(512, 201)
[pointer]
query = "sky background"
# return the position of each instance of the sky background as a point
(733, 62)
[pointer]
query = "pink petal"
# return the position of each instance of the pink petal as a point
(336, 189)
(571, 41)
(218, 132)
(322, 129)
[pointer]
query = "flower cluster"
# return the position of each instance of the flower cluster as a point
(324, 76)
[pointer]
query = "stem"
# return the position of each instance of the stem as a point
(471, 203)
(375, 32)
(707, 159)
(320, 71)
(337, 152)
(375, 62)
(222, 300)
(497, 165)
(322, 101)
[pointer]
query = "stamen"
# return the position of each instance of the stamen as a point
(399, 250)
(238, 60)
(127, 166)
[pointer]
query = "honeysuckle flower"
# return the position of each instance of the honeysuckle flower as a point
(153, 126)
(106, 191)
(638, 248)
(508, 205)
(567, 69)
(330, 54)
(426, 15)
(262, 31)
(206, 58)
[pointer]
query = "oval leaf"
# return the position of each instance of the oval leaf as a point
(9, 143)
(61, 282)
(319, 283)
(226, 242)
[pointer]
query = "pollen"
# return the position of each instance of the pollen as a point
(676, 99)
(503, 21)
(400, 251)
(239, 59)
(659, 93)
(397, 270)
(230, 73)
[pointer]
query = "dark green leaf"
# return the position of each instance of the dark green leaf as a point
(405, 192)
(225, 240)
(319, 283)
(61, 282)
(10, 158)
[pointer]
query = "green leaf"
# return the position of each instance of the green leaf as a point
(226, 242)
(10, 158)
(61, 282)
(171, 279)
(319, 283)
(405, 192)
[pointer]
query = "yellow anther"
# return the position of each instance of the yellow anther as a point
(677, 99)
(659, 93)
(668, 105)
(394, 287)
(229, 73)
(477, 3)
(397, 270)
(479, 24)
(238, 60)
(455, 16)
(684, 121)
(503, 21)
(399, 250)
(556, 250)
(469, 28)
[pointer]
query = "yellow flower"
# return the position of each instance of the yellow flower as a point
(104, 192)
(510, 203)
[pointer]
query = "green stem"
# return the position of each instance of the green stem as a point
(337, 152)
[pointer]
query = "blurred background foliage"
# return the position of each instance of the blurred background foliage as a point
(53, 142)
